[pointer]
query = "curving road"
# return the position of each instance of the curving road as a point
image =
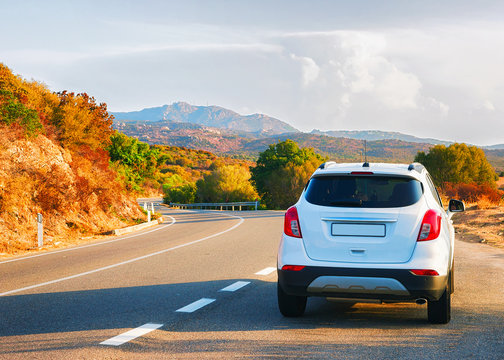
(203, 285)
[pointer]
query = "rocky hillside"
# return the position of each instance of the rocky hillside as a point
(212, 116)
(53, 161)
(227, 142)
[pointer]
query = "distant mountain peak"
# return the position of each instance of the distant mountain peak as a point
(212, 116)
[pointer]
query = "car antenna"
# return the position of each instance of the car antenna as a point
(366, 164)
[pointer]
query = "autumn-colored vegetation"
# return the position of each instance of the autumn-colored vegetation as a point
(462, 172)
(228, 183)
(54, 161)
(458, 163)
(199, 176)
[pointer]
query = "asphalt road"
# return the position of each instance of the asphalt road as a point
(164, 287)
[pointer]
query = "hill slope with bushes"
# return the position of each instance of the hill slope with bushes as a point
(54, 161)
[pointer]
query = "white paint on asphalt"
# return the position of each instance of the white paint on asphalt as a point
(236, 286)
(196, 305)
(127, 261)
(90, 245)
(132, 334)
(266, 271)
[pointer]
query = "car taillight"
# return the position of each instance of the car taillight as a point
(431, 226)
(425, 272)
(293, 267)
(291, 223)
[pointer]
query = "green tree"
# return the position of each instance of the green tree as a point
(14, 111)
(184, 194)
(136, 160)
(172, 181)
(457, 163)
(227, 183)
(281, 172)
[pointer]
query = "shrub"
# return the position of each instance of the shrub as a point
(184, 194)
(228, 183)
(473, 193)
(457, 163)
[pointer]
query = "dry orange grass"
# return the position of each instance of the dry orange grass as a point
(483, 225)
(500, 183)
(77, 195)
(483, 220)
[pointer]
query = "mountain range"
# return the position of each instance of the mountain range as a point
(371, 135)
(224, 131)
(212, 116)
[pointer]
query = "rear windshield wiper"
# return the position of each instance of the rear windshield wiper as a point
(348, 203)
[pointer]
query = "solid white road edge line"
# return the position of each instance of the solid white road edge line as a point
(127, 261)
(89, 245)
(195, 305)
(266, 271)
(132, 334)
(236, 286)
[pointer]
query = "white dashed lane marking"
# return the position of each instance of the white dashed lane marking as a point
(266, 271)
(132, 334)
(195, 305)
(236, 286)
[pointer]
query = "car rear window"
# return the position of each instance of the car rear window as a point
(368, 191)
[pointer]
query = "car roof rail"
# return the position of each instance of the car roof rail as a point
(416, 166)
(327, 163)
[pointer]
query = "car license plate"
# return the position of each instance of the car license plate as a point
(371, 230)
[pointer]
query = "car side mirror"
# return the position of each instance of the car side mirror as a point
(456, 206)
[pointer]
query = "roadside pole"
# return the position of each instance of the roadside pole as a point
(40, 231)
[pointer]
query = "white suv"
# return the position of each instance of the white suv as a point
(368, 233)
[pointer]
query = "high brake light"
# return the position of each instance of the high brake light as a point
(291, 223)
(431, 226)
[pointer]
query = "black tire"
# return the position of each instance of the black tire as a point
(439, 311)
(290, 305)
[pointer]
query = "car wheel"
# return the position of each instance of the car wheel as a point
(439, 311)
(290, 305)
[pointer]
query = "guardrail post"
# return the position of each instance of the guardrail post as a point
(152, 207)
(145, 206)
(148, 216)
(40, 231)
(256, 203)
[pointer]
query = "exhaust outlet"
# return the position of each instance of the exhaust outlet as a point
(421, 301)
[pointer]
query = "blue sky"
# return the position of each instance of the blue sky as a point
(427, 68)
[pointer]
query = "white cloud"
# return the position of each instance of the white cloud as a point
(310, 68)
(488, 105)
(416, 78)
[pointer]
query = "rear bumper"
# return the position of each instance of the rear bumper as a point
(381, 284)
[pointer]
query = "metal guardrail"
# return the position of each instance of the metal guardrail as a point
(218, 206)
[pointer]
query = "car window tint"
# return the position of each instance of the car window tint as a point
(363, 191)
